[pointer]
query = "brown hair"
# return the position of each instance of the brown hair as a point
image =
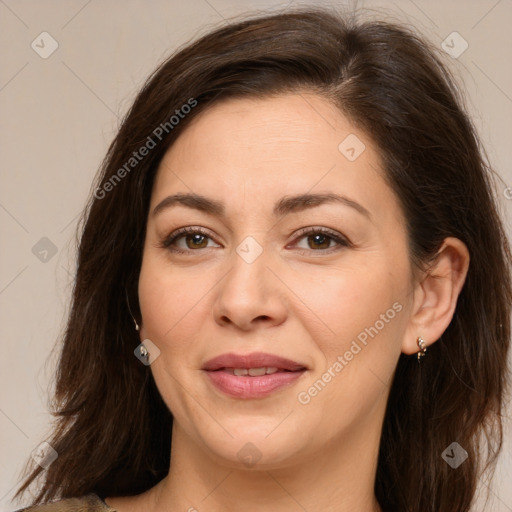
(113, 431)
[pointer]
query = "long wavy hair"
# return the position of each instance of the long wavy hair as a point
(112, 429)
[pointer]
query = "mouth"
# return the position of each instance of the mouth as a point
(253, 375)
(252, 372)
(254, 361)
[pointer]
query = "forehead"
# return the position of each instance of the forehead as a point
(267, 148)
(283, 127)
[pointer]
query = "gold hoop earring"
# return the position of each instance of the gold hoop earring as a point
(423, 348)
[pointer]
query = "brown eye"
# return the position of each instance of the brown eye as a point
(321, 240)
(194, 239)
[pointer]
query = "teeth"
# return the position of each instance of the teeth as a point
(256, 372)
(253, 372)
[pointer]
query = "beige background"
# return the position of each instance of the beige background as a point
(59, 114)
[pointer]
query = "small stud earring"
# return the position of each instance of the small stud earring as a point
(423, 348)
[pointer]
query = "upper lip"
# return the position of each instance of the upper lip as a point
(254, 360)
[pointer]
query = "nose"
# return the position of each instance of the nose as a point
(250, 295)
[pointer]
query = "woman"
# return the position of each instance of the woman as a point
(293, 286)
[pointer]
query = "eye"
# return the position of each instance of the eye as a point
(193, 238)
(319, 239)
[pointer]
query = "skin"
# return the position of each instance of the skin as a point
(301, 298)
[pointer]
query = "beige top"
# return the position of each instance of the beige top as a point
(87, 503)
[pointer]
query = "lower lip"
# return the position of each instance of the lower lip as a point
(252, 387)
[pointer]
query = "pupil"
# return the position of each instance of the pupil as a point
(322, 239)
(196, 239)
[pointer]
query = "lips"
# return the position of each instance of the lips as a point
(254, 360)
(253, 375)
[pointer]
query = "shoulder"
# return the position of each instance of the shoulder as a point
(87, 503)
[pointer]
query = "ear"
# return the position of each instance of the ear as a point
(436, 294)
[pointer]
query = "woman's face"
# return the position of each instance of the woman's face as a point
(296, 248)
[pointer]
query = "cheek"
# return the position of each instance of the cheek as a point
(360, 351)
(170, 297)
(170, 305)
(341, 304)
(362, 321)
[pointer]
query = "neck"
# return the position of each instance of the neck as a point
(341, 479)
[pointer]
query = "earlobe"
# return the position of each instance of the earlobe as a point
(436, 295)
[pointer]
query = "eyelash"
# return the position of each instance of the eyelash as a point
(340, 240)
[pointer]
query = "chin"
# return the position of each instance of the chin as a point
(255, 445)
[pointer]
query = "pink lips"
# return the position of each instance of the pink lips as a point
(282, 372)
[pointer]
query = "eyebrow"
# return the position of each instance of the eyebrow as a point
(286, 205)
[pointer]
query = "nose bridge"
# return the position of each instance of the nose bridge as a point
(246, 281)
(249, 291)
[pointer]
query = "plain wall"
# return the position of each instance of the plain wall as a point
(58, 115)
